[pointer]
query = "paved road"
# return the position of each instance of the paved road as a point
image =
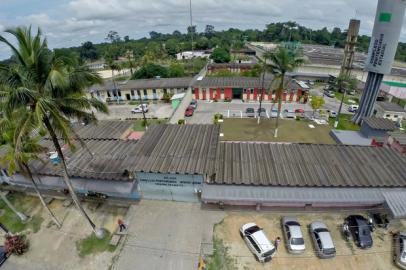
(160, 110)
(166, 235)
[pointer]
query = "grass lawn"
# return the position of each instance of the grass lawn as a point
(92, 245)
(339, 96)
(345, 123)
(23, 204)
(138, 125)
(289, 131)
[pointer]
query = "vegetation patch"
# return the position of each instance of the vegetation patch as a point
(345, 123)
(220, 259)
(139, 124)
(93, 245)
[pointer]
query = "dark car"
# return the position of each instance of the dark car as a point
(3, 255)
(250, 112)
(261, 112)
(189, 111)
(360, 230)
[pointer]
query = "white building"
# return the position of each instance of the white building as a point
(190, 55)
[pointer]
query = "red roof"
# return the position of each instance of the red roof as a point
(135, 135)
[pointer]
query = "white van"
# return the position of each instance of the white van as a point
(257, 242)
(353, 108)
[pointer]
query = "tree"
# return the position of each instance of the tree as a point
(89, 51)
(18, 158)
(113, 37)
(113, 66)
(316, 103)
(209, 31)
(202, 43)
(53, 90)
(191, 29)
(282, 61)
(154, 35)
(172, 46)
(126, 38)
(149, 71)
(176, 70)
(343, 83)
(220, 55)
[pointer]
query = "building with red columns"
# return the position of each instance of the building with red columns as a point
(246, 89)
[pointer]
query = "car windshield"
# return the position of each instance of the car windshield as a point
(319, 230)
(297, 241)
(252, 229)
(250, 110)
(329, 251)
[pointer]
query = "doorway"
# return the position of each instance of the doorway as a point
(237, 93)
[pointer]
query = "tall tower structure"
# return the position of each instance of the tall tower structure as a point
(381, 54)
(349, 51)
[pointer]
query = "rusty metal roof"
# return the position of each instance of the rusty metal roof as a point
(183, 149)
(104, 130)
(379, 123)
(306, 165)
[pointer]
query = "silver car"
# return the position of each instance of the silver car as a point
(323, 243)
(257, 242)
(400, 249)
(293, 235)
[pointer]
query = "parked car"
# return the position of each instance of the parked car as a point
(353, 108)
(299, 111)
(290, 114)
(193, 104)
(3, 255)
(329, 93)
(257, 242)
(293, 235)
(261, 112)
(274, 113)
(400, 249)
(328, 87)
(360, 230)
(323, 243)
(250, 112)
(332, 114)
(139, 108)
(189, 111)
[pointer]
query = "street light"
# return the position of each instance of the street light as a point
(341, 105)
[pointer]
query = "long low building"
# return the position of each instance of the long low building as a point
(143, 89)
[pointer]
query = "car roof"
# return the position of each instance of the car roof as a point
(326, 240)
(262, 240)
(295, 232)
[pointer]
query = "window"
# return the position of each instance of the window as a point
(108, 94)
(165, 91)
(119, 93)
(139, 93)
(145, 92)
(154, 91)
(395, 116)
(132, 92)
(98, 93)
(388, 115)
(222, 90)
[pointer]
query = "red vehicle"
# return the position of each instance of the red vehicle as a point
(189, 111)
(299, 111)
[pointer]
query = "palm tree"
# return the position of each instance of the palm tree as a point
(17, 158)
(113, 66)
(52, 88)
(282, 61)
(264, 68)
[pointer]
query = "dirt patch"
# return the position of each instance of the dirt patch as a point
(379, 257)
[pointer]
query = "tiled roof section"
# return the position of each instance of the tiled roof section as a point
(104, 130)
(184, 149)
(108, 160)
(305, 165)
(238, 82)
(183, 82)
(380, 123)
(389, 106)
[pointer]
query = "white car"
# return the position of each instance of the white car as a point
(293, 235)
(332, 114)
(353, 108)
(257, 242)
(139, 108)
(400, 249)
(323, 243)
(274, 113)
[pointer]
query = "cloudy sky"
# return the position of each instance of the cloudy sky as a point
(72, 22)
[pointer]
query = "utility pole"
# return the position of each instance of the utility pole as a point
(191, 33)
(262, 91)
(143, 113)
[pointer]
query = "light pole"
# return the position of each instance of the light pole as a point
(341, 106)
(262, 91)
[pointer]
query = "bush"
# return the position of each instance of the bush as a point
(167, 97)
(133, 102)
(217, 116)
(16, 244)
(181, 121)
(144, 122)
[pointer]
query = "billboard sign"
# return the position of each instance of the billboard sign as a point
(385, 35)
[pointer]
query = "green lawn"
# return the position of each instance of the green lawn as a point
(92, 245)
(138, 125)
(289, 131)
(339, 96)
(24, 204)
(345, 123)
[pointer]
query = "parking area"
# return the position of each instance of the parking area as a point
(348, 257)
(160, 110)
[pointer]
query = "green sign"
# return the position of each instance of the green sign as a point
(385, 17)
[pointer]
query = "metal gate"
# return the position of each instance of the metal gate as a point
(172, 187)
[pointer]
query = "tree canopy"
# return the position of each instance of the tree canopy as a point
(220, 55)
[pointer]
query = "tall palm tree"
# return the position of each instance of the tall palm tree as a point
(264, 68)
(52, 88)
(281, 62)
(18, 158)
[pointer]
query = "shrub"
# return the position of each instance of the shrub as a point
(167, 97)
(181, 121)
(16, 244)
(133, 102)
(144, 122)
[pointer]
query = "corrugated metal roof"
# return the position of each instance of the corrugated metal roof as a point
(104, 130)
(379, 123)
(184, 149)
(389, 106)
(306, 165)
(183, 82)
(400, 137)
(243, 82)
(109, 160)
(215, 193)
(396, 201)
